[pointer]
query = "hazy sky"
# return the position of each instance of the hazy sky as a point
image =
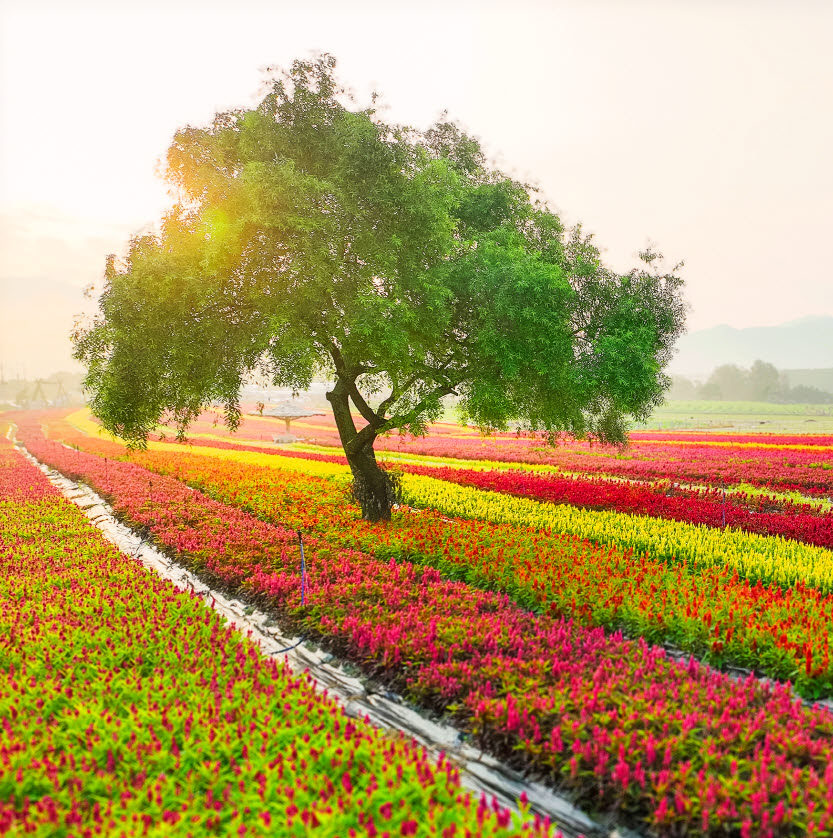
(704, 127)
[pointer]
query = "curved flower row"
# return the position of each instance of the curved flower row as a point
(626, 728)
(768, 559)
(129, 708)
(809, 471)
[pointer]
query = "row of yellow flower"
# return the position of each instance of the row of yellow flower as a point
(81, 419)
(718, 443)
(768, 558)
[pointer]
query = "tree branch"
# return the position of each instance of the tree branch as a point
(404, 418)
(396, 392)
(347, 375)
(367, 412)
(365, 436)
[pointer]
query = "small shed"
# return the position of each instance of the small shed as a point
(288, 411)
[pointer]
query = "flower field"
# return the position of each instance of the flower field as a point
(737, 599)
(700, 508)
(674, 748)
(754, 511)
(761, 497)
(128, 708)
(779, 462)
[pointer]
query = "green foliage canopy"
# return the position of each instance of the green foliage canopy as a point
(311, 236)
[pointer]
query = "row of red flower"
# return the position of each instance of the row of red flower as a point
(802, 523)
(782, 470)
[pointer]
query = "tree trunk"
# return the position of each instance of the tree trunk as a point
(372, 487)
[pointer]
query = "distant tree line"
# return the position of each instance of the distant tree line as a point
(762, 382)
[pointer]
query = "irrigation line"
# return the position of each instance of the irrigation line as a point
(303, 590)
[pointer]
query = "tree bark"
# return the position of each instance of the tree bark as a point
(372, 487)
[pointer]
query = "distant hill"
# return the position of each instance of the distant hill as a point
(799, 345)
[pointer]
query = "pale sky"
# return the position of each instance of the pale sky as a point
(703, 127)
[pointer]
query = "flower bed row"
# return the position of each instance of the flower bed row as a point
(757, 558)
(761, 438)
(808, 470)
(778, 631)
(128, 707)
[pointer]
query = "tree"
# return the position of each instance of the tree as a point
(726, 383)
(682, 389)
(806, 394)
(764, 382)
(313, 236)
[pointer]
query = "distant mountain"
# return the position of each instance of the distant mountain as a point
(806, 343)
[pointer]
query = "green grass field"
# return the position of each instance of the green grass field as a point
(742, 416)
(727, 416)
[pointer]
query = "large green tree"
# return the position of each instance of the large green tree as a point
(310, 235)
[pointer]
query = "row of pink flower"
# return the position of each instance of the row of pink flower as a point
(808, 525)
(614, 720)
(128, 708)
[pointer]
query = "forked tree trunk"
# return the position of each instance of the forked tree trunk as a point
(372, 486)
